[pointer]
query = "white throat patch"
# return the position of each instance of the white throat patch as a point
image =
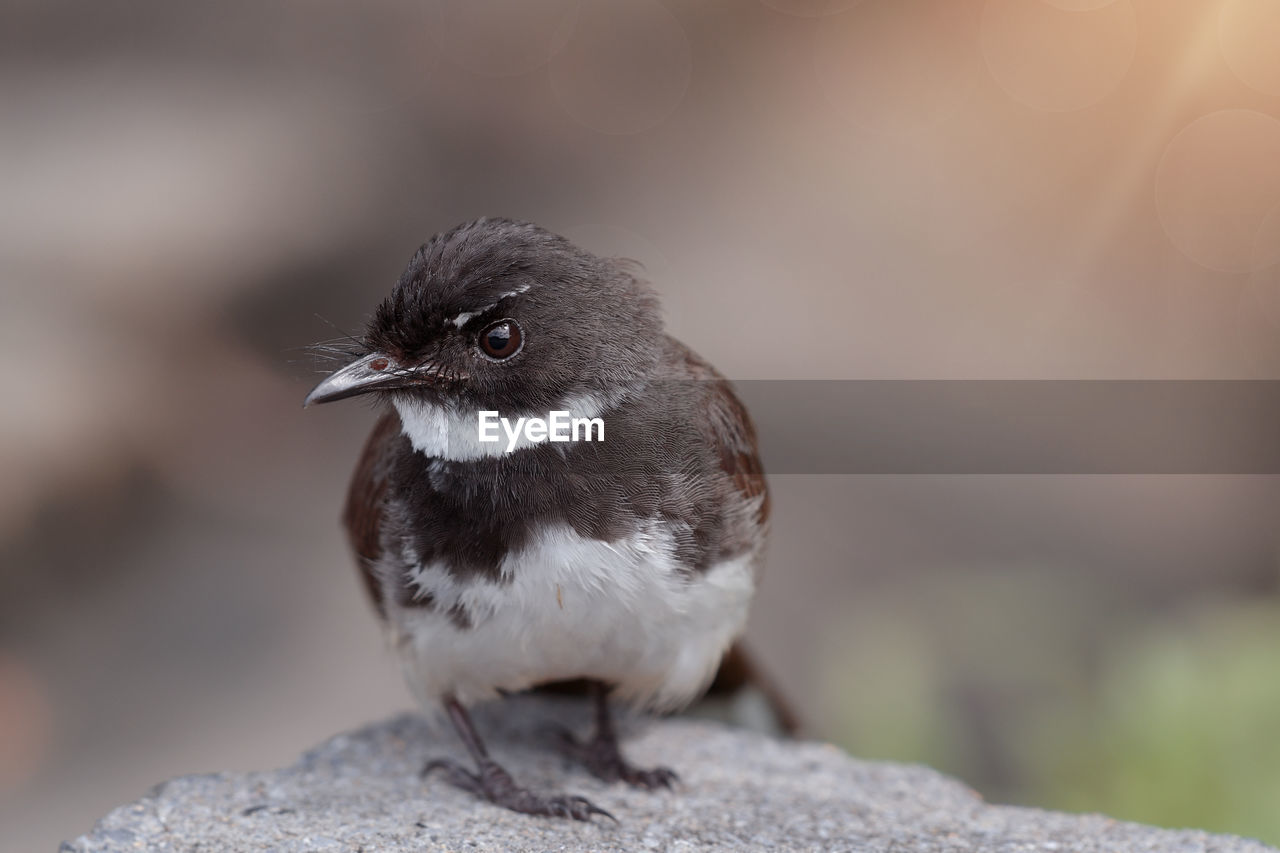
(447, 433)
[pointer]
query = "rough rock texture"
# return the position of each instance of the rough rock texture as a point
(361, 791)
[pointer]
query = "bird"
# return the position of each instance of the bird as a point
(624, 562)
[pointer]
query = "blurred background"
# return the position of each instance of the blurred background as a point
(820, 189)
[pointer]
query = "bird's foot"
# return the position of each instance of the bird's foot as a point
(603, 759)
(495, 784)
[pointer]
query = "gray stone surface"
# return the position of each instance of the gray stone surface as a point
(361, 791)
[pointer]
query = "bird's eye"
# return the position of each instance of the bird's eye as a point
(502, 339)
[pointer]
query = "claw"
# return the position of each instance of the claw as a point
(438, 764)
(494, 784)
(456, 775)
(603, 759)
(589, 808)
(657, 777)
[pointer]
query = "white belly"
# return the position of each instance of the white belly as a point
(577, 608)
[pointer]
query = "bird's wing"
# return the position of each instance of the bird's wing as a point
(365, 513)
(727, 428)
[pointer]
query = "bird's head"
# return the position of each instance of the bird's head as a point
(503, 315)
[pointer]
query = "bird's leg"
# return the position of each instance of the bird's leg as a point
(495, 784)
(602, 756)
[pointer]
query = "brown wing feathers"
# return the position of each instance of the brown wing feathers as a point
(364, 513)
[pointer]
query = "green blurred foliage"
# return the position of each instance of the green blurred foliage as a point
(1184, 729)
(1037, 692)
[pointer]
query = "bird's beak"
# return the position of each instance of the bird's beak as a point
(375, 372)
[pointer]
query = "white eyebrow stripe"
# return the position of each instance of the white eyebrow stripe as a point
(519, 290)
(462, 319)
